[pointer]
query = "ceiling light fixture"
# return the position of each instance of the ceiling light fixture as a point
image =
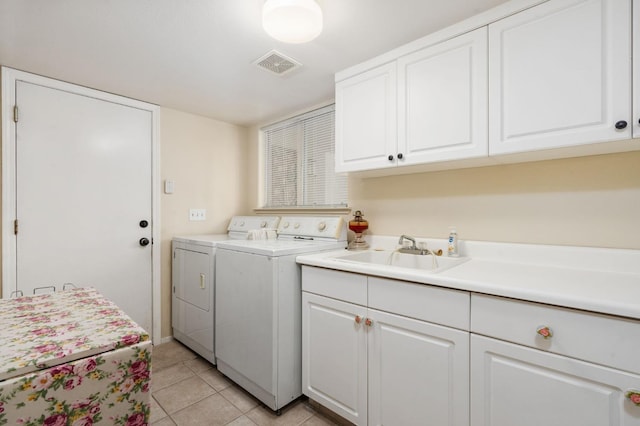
(292, 21)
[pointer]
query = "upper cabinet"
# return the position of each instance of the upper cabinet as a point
(528, 80)
(366, 120)
(435, 109)
(560, 75)
(636, 74)
(442, 101)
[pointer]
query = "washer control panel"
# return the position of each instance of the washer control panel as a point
(247, 223)
(312, 227)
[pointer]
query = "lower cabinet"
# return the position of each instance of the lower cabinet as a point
(418, 372)
(517, 385)
(385, 352)
(381, 368)
(334, 356)
(534, 364)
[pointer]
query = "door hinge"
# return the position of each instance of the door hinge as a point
(15, 113)
(15, 227)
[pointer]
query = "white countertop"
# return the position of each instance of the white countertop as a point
(592, 279)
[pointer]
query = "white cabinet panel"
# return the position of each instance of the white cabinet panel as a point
(345, 286)
(434, 304)
(584, 335)
(334, 356)
(366, 120)
(514, 385)
(636, 69)
(559, 75)
(417, 371)
(442, 100)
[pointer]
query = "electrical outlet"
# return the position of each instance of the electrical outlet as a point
(197, 214)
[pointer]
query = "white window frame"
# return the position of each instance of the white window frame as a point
(297, 209)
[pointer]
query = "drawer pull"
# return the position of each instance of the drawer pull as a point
(634, 396)
(545, 331)
(358, 319)
(368, 322)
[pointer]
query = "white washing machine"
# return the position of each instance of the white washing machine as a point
(259, 306)
(193, 280)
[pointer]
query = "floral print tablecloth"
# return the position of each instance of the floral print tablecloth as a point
(72, 358)
(46, 330)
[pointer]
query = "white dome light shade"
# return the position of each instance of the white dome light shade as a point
(292, 21)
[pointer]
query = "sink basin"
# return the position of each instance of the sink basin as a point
(394, 259)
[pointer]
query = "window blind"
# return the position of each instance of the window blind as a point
(299, 162)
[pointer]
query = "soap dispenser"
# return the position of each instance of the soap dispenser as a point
(452, 243)
(358, 225)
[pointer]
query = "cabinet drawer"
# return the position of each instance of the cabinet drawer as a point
(603, 339)
(335, 284)
(424, 302)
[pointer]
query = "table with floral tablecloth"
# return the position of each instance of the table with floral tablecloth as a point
(72, 358)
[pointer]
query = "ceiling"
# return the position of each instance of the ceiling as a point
(197, 55)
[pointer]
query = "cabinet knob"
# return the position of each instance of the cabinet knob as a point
(400, 156)
(634, 396)
(390, 158)
(621, 125)
(358, 319)
(545, 331)
(368, 322)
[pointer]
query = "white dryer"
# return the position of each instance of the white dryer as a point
(193, 281)
(259, 306)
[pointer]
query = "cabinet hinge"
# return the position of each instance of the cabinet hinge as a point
(15, 113)
(15, 227)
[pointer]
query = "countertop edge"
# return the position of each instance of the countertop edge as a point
(592, 296)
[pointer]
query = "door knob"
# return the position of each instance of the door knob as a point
(144, 242)
(144, 224)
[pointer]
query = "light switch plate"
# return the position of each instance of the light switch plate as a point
(169, 186)
(197, 214)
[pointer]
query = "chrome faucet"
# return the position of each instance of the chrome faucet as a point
(413, 249)
(406, 237)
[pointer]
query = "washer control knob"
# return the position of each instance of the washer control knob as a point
(285, 225)
(296, 225)
(322, 226)
(242, 223)
(263, 224)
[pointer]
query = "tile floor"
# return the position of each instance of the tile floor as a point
(188, 390)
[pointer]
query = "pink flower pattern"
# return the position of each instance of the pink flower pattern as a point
(72, 358)
(60, 325)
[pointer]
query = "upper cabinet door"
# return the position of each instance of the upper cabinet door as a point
(442, 101)
(636, 73)
(560, 75)
(366, 135)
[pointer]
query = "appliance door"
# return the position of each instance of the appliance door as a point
(246, 319)
(193, 294)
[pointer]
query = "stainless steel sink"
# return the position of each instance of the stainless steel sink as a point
(394, 259)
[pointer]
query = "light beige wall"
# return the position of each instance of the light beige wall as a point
(586, 201)
(206, 159)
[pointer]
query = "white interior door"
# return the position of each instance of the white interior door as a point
(83, 174)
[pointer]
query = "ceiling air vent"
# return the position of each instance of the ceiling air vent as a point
(277, 63)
